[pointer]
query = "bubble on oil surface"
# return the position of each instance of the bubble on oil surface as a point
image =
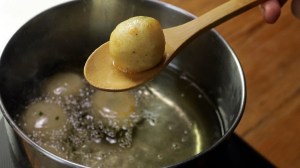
(175, 146)
(151, 118)
(159, 157)
(111, 140)
(170, 127)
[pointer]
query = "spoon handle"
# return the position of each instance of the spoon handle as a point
(177, 36)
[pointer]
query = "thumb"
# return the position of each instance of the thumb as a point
(271, 10)
(296, 8)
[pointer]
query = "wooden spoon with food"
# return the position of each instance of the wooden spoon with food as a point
(139, 49)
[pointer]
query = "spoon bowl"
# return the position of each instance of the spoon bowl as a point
(100, 72)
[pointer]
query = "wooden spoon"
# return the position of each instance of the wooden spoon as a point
(102, 74)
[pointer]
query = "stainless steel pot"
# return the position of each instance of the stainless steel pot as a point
(68, 33)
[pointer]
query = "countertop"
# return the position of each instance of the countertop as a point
(270, 57)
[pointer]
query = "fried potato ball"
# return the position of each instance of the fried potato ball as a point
(44, 117)
(63, 84)
(46, 123)
(118, 107)
(137, 44)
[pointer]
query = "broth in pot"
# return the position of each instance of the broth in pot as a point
(162, 123)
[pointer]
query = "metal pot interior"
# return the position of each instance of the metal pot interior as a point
(64, 36)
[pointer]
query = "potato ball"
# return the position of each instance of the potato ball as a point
(114, 106)
(63, 84)
(44, 117)
(137, 44)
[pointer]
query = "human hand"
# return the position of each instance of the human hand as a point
(271, 9)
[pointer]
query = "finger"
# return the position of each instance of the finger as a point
(282, 2)
(271, 10)
(296, 8)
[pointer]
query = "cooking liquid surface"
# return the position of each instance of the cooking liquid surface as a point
(172, 121)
